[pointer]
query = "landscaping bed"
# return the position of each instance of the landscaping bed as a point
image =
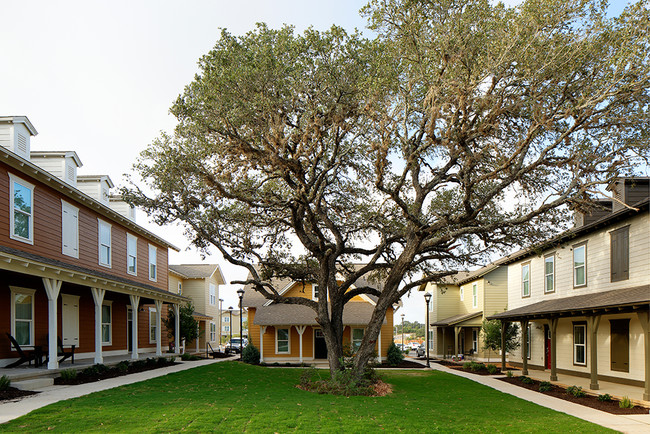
(402, 365)
(101, 372)
(13, 393)
(472, 367)
(587, 400)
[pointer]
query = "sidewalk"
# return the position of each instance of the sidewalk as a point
(49, 395)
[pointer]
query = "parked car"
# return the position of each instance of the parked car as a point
(402, 347)
(415, 345)
(420, 351)
(235, 345)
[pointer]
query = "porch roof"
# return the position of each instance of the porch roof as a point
(635, 298)
(457, 319)
(354, 313)
(201, 316)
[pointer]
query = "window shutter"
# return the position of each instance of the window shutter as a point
(620, 254)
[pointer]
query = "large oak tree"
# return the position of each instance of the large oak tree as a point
(462, 129)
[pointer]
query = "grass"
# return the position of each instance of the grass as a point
(229, 396)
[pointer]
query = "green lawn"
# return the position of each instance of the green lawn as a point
(230, 396)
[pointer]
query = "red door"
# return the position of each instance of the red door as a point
(547, 342)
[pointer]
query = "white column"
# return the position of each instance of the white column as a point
(159, 305)
(52, 288)
(262, 331)
(379, 346)
(135, 302)
(98, 296)
(301, 330)
(177, 330)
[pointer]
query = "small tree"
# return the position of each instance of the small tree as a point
(189, 326)
(492, 336)
(394, 355)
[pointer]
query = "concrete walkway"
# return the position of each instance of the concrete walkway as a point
(49, 395)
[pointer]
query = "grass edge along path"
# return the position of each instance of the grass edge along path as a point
(231, 396)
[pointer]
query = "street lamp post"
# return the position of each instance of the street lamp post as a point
(427, 298)
(220, 322)
(230, 309)
(240, 293)
(402, 332)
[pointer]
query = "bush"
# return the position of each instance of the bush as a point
(69, 374)
(526, 380)
(251, 354)
(475, 367)
(545, 386)
(605, 398)
(576, 391)
(189, 357)
(394, 356)
(123, 366)
(162, 361)
(5, 382)
(90, 371)
(492, 369)
(626, 402)
(509, 374)
(467, 365)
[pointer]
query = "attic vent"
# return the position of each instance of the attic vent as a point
(70, 172)
(21, 144)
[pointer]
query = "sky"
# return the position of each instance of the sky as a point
(98, 77)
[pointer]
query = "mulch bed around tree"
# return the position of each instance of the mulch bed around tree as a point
(13, 393)
(101, 372)
(588, 401)
(402, 365)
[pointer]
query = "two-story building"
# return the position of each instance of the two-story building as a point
(230, 323)
(71, 267)
(584, 296)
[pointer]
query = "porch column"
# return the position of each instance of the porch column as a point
(524, 347)
(159, 305)
(52, 288)
(300, 330)
(135, 302)
(177, 329)
(262, 331)
(198, 331)
(644, 318)
(456, 332)
(553, 327)
(379, 346)
(444, 348)
(504, 325)
(593, 322)
(98, 296)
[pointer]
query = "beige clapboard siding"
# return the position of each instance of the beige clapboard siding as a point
(196, 290)
(495, 294)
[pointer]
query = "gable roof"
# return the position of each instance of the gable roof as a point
(355, 313)
(197, 271)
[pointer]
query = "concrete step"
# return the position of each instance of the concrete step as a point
(33, 384)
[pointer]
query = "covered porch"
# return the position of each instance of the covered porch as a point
(458, 335)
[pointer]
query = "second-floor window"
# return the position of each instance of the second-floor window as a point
(462, 293)
(314, 295)
(153, 270)
(70, 229)
(22, 210)
(549, 273)
(525, 280)
(104, 243)
(580, 265)
(131, 254)
(213, 294)
(474, 295)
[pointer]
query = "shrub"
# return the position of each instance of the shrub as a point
(605, 398)
(509, 374)
(123, 366)
(68, 374)
(189, 357)
(138, 365)
(251, 354)
(162, 361)
(475, 367)
(90, 371)
(492, 369)
(526, 380)
(101, 369)
(394, 356)
(545, 386)
(5, 382)
(467, 365)
(626, 402)
(576, 391)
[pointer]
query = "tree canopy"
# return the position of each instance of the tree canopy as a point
(461, 130)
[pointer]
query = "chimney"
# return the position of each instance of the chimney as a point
(62, 164)
(96, 186)
(15, 134)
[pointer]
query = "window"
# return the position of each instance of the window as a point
(226, 328)
(226, 319)
(22, 210)
(180, 288)
(152, 263)
(213, 332)
(475, 340)
(529, 331)
(70, 229)
(462, 293)
(620, 254)
(104, 243)
(525, 280)
(357, 337)
(474, 295)
(107, 337)
(314, 292)
(282, 340)
(580, 265)
(213, 294)
(22, 316)
(580, 344)
(152, 325)
(431, 339)
(549, 273)
(131, 254)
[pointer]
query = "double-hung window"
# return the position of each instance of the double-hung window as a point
(282, 340)
(107, 321)
(580, 344)
(213, 294)
(314, 292)
(462, 293)
(525, 280)
(22, 210)
(580, 265)
(153, 270)
(104, 231)
(474, 295)
(475, 340)
(22, 316)
(549, 273)
(357, 337)
(213, 332)
(132, 254)
(152, 325)
(70, 229)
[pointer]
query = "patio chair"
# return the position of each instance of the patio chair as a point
(23, 355)
(62, 352)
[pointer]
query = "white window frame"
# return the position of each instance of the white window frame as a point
(226, 328)
(226, 319)
(525, 283)
(12, 180)
(462, 294)
(107, 225)
(23, 291)
(180, 288)
(583, 344)
(575, 274)
(73, 212)
(108, 303)
(549, 258)
(131, 241)
(213, 294)
(153, 249)
(475, 340)
(352, 340)
(152, 325)
(213, 331)
(314, 292)
(277, 341)
(474, 295)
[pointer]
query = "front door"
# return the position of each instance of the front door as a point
(620, 345)
(320, 347)
(129, 328)
(547, 346)
(70, 320)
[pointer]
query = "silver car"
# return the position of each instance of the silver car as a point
(420, 351)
